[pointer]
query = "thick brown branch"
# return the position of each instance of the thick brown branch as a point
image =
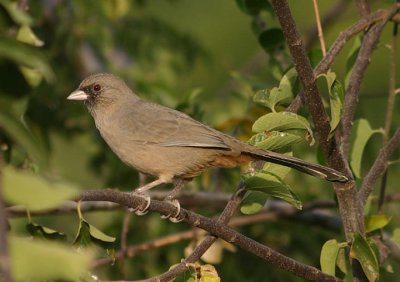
(378, 167)
(216, 229)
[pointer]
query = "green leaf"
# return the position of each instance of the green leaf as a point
(274, 140)
(40, 231)
(336, 97)
(254, 7)
(34, 192)
(396, 236)
(253, 202)
(198, 273)
(343, 263)
(18, 16)
(16, 130)
(282, 121)
(88, 234)
(328, 256)
(272, 97)
(25, 55)
(37, 260)
(25, 34)
(273, 186)
(361, 133)
(374, 222)
(272, 39)
(315, 56)
(362, 251)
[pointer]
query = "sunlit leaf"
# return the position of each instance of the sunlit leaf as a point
(362, 251)
(88, 234)
(34, 192)
(273, 186)
(37, 260)
(396, 236)
(328, 256)
(361, 133)
(40, 231)
(277, 95)
(274, 140)
(19, 16)
(377, 221)
(198, 273)
(282, 121)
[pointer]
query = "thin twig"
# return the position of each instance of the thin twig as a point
(357, 74)
(332, 15)
(378, 167)
(340, 42)
(319, 28)
(5, 262)
(224, 218)
(217, 229)
(389, 107)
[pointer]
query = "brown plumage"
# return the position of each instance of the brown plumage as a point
(168, 144)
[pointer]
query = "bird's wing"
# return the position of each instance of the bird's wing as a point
(169, 128)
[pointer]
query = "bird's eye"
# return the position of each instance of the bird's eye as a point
(97, 87)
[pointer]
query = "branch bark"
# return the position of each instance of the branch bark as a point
(378, 167)
(340, 42)
(216, 229)
(357, 74)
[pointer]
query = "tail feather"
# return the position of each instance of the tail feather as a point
(316, 170)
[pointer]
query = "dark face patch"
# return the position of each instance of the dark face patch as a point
(93, 91)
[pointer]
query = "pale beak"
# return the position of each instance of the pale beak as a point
(78, 95)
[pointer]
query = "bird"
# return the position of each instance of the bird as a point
(168, 144)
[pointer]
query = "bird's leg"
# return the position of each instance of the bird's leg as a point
(178, 184)
(142, 192)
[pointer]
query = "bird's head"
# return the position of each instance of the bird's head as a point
(101, 90)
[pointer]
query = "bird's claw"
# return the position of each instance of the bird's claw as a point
(140, 210)
(173, 218)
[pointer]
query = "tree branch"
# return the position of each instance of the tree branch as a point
(216, 229)
(310, 214)
(224, 218)
(357, 74)
(378, 167)
(349, 206)
(333, 14)
(363, 8)
(340, 42)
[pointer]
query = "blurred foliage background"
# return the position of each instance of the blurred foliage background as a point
(201, 57)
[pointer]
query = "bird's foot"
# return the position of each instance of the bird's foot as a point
(173, 217)
(141, 210)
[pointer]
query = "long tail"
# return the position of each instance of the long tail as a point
(316, 170)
